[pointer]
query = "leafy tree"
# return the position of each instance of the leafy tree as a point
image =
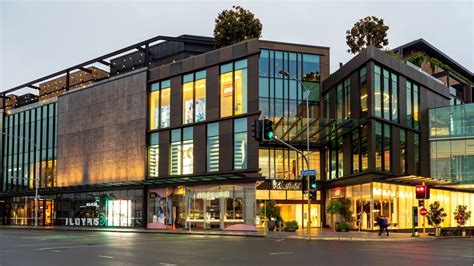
(436, 214)
(367, 31)
(462, 215)
(340, 207)
(236, 25)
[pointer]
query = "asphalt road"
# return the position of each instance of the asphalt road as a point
(29, 247)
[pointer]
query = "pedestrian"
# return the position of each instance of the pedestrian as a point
(383, 224)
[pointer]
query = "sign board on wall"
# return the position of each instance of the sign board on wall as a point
(275, 184)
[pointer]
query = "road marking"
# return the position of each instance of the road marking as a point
(447, 258)
(105, 257)
(167, 264)
(8, 251)
(281, 253)
(55, 250)
(279, 240)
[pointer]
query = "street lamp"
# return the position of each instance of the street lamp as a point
(307, 92)
(36, 178)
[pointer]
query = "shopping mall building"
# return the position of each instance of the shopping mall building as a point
(158, 135)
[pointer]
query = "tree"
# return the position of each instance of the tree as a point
(236, 25)
(340, 207)
(462, 215)
(436, 214)
(367, 31)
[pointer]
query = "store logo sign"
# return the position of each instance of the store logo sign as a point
(100, 221)
(91, 204)
(212, 195)
(286, 185)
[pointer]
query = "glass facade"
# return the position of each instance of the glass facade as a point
(119, 208)
(395, 202)
(203, 207)
(452, 143)
(194, 97)
(285, 164)
(30, 148)
(159, 105)
(283, 99)
(233, 88)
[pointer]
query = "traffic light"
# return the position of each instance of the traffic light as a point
(312, 195)
(257, 130)
(422, 192)
(267, 129)
(312, 183)
(304, 184)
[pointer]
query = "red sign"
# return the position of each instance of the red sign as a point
(423, 211)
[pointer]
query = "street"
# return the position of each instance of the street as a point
(29, 247)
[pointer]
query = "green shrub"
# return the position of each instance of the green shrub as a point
(291, 224)
(343, 226)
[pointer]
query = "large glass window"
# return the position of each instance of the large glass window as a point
(153, 155)
(378, 146)
(413, 105)
(394, 79)
(213, 147)
(378, 91)
(403, 150)
(355, 151)
(159, 111)
(233, 88)
(182, 151)
(387, 144)
(240, 143)
(194, 97)
(363, 92)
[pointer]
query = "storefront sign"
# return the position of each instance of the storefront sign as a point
(99, 221)
(91, 204)
(212, 195)
(286, 185)
(338, 192)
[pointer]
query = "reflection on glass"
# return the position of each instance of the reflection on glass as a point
(188, 102)
(200, 102)
(227, 93)
(165, 107)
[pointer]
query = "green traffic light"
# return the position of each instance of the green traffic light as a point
(270, 134)
(313, 186)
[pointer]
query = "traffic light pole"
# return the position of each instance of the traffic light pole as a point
(308, 227)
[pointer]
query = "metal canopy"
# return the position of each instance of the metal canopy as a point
(168, 181)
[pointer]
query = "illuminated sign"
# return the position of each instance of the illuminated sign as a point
(97, 221)
(212, 195)
(91, 204)
(338, 192)
(286, 185)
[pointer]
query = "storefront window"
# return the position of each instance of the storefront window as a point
(213, 147)
(240, 143)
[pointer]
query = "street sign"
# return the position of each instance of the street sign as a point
(423, 211)
(308, 172)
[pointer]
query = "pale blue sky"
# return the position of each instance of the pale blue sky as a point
(41, 37)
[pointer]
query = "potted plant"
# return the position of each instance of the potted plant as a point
(340, 208)
(273, 214)
(462, 215)
(436, 216)
(291, 226)
(343, 227)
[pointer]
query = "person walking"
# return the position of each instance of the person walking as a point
(383, 225)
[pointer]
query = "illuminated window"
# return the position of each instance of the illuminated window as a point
(159, 111)
(403, 150)
(240, 143)
(378, 146)
(194, 97)
(394, 79)
(233, 88)
(182, 151)
(378, 91)
(153, 155)
(213, 147)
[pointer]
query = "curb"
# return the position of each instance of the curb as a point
(138, 231)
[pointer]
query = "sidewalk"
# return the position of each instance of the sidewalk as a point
(316, 233)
